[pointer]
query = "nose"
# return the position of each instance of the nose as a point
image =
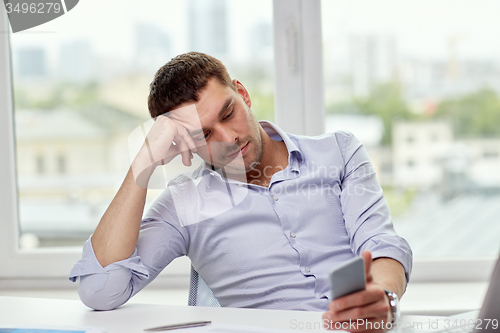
(227, 134)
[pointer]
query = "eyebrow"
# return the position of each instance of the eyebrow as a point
(223, 109)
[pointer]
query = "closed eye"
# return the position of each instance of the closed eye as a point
(228, 115)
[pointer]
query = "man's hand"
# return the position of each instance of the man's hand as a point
(364, 311)
(167, 139)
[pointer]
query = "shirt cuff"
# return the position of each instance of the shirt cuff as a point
(89, 265)
(402, 253)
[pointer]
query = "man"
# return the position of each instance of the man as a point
(298, 206)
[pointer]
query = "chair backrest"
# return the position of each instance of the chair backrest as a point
(199, 292)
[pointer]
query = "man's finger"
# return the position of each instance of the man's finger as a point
(184, 149)
(185, 152)
(189, 140)
(357, 299)
(377, 310)
(367, 257)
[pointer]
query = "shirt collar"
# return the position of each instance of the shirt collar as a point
(207, 173)
(275, 133)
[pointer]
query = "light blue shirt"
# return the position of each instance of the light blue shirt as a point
(265, 247)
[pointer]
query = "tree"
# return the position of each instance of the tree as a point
(385, 101)
(61, 94)
(473, 115)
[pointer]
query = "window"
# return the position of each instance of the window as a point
(61, 164)
(423, 73)
(380, 76)
(490, 154)
(40, 165)
(79, 87)
(65, 100)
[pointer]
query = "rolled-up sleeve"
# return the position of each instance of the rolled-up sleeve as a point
(105, 288)
(366, 212)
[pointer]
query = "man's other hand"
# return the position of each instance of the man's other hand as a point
(363, 311)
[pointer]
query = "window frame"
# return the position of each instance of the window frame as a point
(45, 267)
(299, 102)
(299, 108)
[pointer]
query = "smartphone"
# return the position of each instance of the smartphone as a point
(348, 278)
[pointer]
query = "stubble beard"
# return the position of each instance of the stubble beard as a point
(257, 144)
(239, 167)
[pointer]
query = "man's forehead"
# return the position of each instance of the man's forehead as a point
(212, 98)
(196, 116)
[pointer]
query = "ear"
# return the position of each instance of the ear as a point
(243, 92)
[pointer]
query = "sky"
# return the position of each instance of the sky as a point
(422, 27)
(109, 25)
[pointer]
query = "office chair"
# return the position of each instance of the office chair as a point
(199, 292)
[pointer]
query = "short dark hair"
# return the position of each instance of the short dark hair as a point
(182, 78)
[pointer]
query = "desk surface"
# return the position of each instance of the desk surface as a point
(135, 317)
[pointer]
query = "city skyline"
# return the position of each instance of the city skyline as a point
(128, 46)
(113, 42)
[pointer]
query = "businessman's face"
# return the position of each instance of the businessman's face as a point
(229, 128)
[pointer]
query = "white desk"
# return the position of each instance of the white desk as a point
(133, 318)
(136, 317)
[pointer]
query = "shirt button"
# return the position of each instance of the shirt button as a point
(275, 197)
(308, 269)
(292, 234)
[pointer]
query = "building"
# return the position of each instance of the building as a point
(208, 27)
(31, 62)
(374, 60)
(418, 149)
(435, 228)
(70, 164)
(76, 61)
(152, 47)
(484, 156)
(426, 156)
